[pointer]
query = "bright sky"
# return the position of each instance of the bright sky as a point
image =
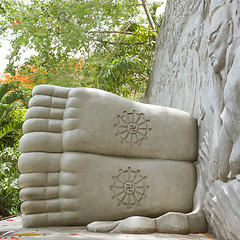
(162, 8)
(3, 53)
(5, 48)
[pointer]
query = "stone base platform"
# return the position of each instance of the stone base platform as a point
(12, 229)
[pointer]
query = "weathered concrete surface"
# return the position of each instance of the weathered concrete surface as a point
(90, 156)
(12, 228)
(196, 69)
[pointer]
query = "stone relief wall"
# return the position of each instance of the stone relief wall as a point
(196, 69)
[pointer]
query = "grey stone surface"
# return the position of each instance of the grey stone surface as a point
(224, 215)
(88, 155)
(135, 224)
(84, 109)
(196, 69)
(12, 229)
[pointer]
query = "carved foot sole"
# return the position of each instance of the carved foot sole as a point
(129, 225)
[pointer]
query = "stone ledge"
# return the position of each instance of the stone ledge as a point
(12, 229)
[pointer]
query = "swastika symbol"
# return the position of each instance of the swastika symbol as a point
(132, 127)
(129, 187)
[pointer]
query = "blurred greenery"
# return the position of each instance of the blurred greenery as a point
(91, 43)
(9, 189)
(12, 113)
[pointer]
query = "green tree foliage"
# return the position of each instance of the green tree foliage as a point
(9, 189)
(11, 119)
(11, 115)
(112, 40)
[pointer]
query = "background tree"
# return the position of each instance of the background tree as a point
(11, 115)
(12, 112)
(103, 44)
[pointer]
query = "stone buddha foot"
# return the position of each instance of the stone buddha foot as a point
(89, 155)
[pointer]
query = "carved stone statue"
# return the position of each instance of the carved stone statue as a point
(220, 37)
(89, 155)
(226, 52)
